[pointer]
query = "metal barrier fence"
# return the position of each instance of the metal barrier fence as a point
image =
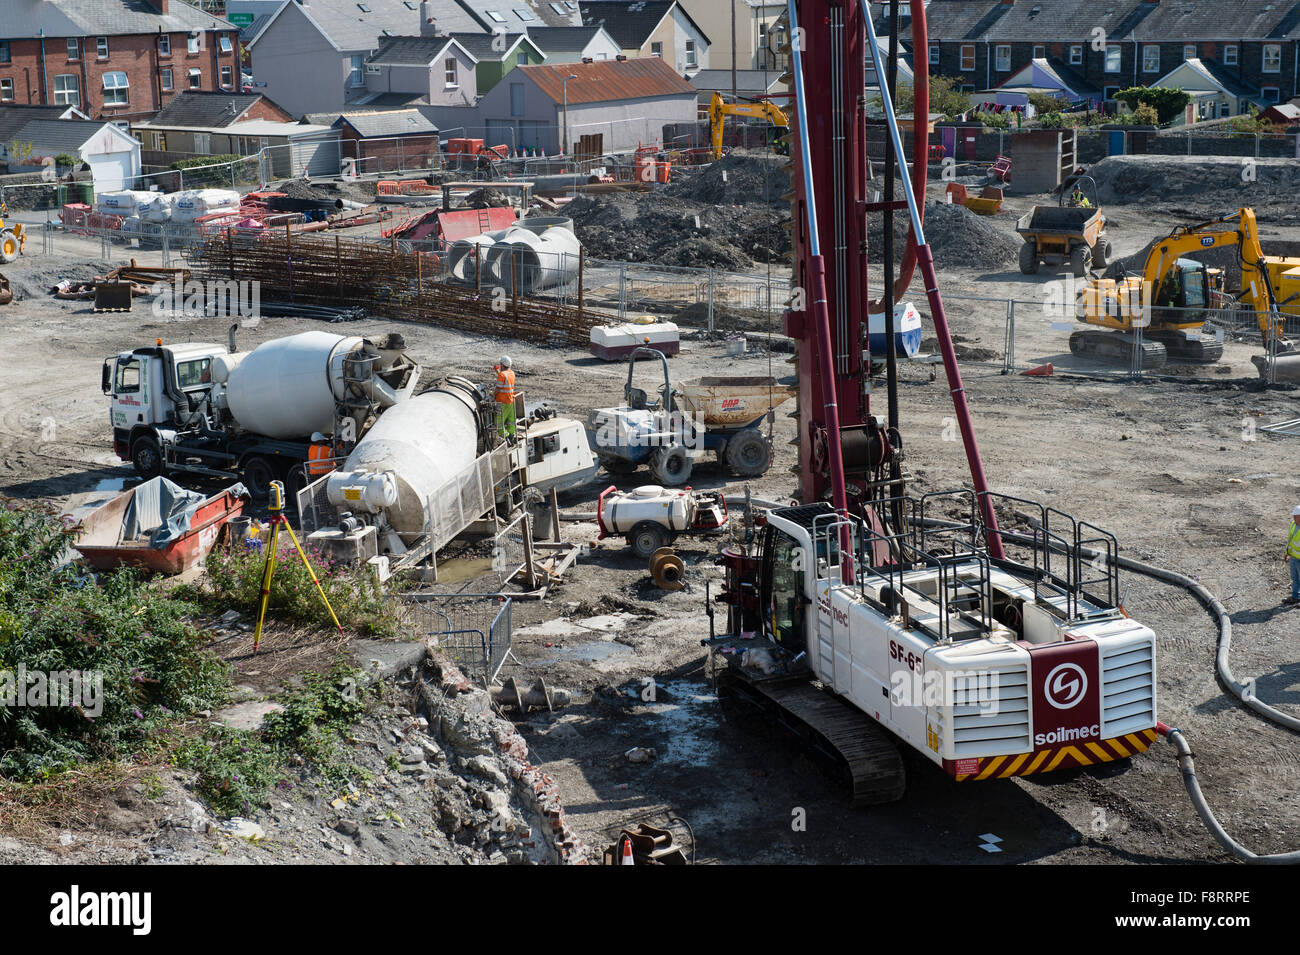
(475, 631)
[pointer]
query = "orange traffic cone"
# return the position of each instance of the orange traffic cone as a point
(627, 853)
(1042, 371)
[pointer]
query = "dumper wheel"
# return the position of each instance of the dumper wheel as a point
(1029, 258)
(257, 477)
(670, 466)
(8, 247)
(647, 537)
(748, 454)
(618, 467)
(1101, 253)
(146, 456)
(1079, 261)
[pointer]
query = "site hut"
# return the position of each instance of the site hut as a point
(388, 140)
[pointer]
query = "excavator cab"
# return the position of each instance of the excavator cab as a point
(1184, 293)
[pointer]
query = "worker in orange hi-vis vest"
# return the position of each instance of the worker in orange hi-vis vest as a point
(505, 397)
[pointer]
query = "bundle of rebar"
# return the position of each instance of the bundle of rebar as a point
(385, 281)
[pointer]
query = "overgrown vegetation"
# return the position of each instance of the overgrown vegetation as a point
(234, 581)
(138, 659)
(994, 120)
(218, 175)
(1168, 104)
(1045, 104)
(946, 97)
(1251, 123)
(237, 770)
(1144, 115)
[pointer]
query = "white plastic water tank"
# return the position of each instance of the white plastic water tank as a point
(424, 442)
(670, 507)
(286, 388)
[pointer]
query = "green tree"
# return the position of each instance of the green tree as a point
(1167, 103)
(946, 97)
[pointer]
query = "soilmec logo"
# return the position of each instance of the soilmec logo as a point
(1067, 705)
(1066, 686)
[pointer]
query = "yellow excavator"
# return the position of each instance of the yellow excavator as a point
(1170, 299)
(719, 110)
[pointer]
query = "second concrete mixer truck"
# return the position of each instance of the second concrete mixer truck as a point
(204, 409)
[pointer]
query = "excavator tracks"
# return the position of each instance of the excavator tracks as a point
(854, 747)
(1117, 347)
(1180, 347)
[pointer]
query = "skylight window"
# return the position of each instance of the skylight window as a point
(363, 8)
(496, 16)
(524, 15)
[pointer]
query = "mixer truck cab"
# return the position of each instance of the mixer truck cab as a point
(211, 411)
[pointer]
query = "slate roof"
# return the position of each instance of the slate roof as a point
(630, 22)
(349, 27)
(748, 82)
(200, 109)
(1041, 21)
(486, 46)
(410, 50)
(58, 135)
(69, 18)
(563, 39)
(541, 12)
(15, 116)
(399, 122)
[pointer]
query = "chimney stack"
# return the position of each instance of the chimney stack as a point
(159, 5)
(428, 27)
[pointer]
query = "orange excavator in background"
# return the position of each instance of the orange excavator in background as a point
(1173, 296)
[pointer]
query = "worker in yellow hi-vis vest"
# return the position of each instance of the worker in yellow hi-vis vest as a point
(1293, 556)
(505, 397)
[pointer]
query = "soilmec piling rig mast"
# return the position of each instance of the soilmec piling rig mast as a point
(989, 665)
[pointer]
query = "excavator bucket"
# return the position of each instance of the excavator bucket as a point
(113, 297)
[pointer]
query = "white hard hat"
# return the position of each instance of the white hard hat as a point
(505, 361)
(317, 437)
(1295, 512)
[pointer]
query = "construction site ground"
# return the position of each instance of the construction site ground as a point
(1173, 466)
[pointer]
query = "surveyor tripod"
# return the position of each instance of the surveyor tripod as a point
(276, 507)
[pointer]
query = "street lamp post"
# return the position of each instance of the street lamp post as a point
(564, 85)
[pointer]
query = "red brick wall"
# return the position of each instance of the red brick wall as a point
(265, 109)
(135, 55)
(381, 155)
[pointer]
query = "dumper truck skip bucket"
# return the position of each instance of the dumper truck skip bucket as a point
(731, 402)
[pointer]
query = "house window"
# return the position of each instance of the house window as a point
(1272, 58)
(4, 51)
(74, 48)
(1113, 54)
(355, 79)
(227, 76)
(159, 142)
(516, 99)
(6, 89)
(66, 90)
(1039, 52)
(101, 47)
(1111, 92)
(1076, 55)
(690, 54)
(1189, 52)
(968, 56)
(450, 81)
(164, 44)
(657, 49)
(521, 59)
(224, 43)
(1230, 55)
(1002, 58)
(1151, 58)
(934, 54)
(192, 44)
(1269, 94)
(196, 78)
(116, 89)
(166, 77)
(203, 143)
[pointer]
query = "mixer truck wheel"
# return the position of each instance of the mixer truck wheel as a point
(257, 477)
(670, 466)
(646, 538)
(146, 456)
(748, 454)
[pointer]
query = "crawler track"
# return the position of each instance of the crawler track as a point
(854, 747)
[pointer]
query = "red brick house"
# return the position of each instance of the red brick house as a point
(116, 60)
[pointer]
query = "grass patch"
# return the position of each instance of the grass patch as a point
(234, 580)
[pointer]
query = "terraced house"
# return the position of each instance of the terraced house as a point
(1092, 49)
(116, 60)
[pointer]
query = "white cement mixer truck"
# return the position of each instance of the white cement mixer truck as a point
(205, 409)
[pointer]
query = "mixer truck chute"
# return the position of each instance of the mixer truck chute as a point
(209, 410)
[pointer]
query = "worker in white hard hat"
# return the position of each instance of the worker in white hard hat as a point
(505, 397)
(1293, 556)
